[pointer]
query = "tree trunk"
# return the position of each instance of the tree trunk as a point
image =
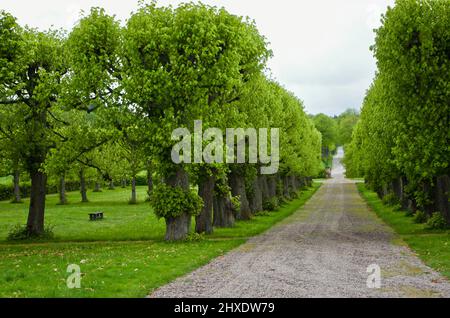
(397, 188)
(223, 212)
(286, 188)
(62, 191)
(272, 186)
(83, 191)
(17, 198)
(97, 187)
(256, 198)
(428, 208)
(124, 183)
(237, 185)
(149, 182)
(405, 200)
(203, 222)
(178, 228)
(35, 223)
(111, 185)
(264, 187)
(442, 196)
(133, 199)
(279, 187)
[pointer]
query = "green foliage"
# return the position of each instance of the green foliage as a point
(194, 237)
(271, 204)
(236, 203)
(346, 123)
(390, 199)
(420, 217)
(21, 233)
(328, 127)
(437, 222)
(172, 202)
(404, 129)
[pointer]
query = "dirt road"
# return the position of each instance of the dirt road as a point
(323, 250)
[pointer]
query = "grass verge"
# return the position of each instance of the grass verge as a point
(432, 246)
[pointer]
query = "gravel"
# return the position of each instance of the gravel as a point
(322, 250)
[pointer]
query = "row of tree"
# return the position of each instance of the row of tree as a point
(107, 98)
(401, 145)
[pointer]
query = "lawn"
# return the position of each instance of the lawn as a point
(432, 246)
(121, 256)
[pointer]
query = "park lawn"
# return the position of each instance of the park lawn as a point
(432, 246)
(71, 222)
(122, 256)
(109, 269)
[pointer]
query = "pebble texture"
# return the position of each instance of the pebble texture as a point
(323, 250)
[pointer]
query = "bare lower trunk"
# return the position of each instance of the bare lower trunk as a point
(280, 187)
(442, 196)
(223, 212)
(35, 223)
(83, 191)
(133, 199)
(397, 188)
(178, 228)
(256, 197)
(264, 187)
(17, 198)
(111, 185)
(237, 185)
(203, 222)
(272, 186)
(429, 208)
(97, 187)
(286, 187)
(62, 191)
(149, 182)
(124, 183)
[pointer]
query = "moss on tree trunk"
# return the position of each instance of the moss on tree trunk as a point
(177, 228)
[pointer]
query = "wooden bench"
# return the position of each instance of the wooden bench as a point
(95, 216)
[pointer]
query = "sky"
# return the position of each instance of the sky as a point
(321, 47)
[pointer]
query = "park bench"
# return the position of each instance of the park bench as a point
(95, 216)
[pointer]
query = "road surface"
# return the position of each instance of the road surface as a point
(322, 250)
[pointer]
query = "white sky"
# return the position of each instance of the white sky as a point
(321, 47)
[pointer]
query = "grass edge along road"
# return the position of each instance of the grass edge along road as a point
(432, 246)
(122, 269)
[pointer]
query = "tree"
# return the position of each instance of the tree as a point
(32, 65)
(404, 130)
(329, 130)
(179, 64)
(345, 125)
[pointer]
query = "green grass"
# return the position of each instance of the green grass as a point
(71, 222)
(122, 256)
(432, 246)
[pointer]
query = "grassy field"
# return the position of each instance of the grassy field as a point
(121, 256)
(432, 246)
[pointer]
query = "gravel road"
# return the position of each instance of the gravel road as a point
(323, 250)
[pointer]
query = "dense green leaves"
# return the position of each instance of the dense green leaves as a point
(105, 99)
(172, 202)
(405, 123)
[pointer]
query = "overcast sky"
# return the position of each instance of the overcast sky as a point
(321, 47)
